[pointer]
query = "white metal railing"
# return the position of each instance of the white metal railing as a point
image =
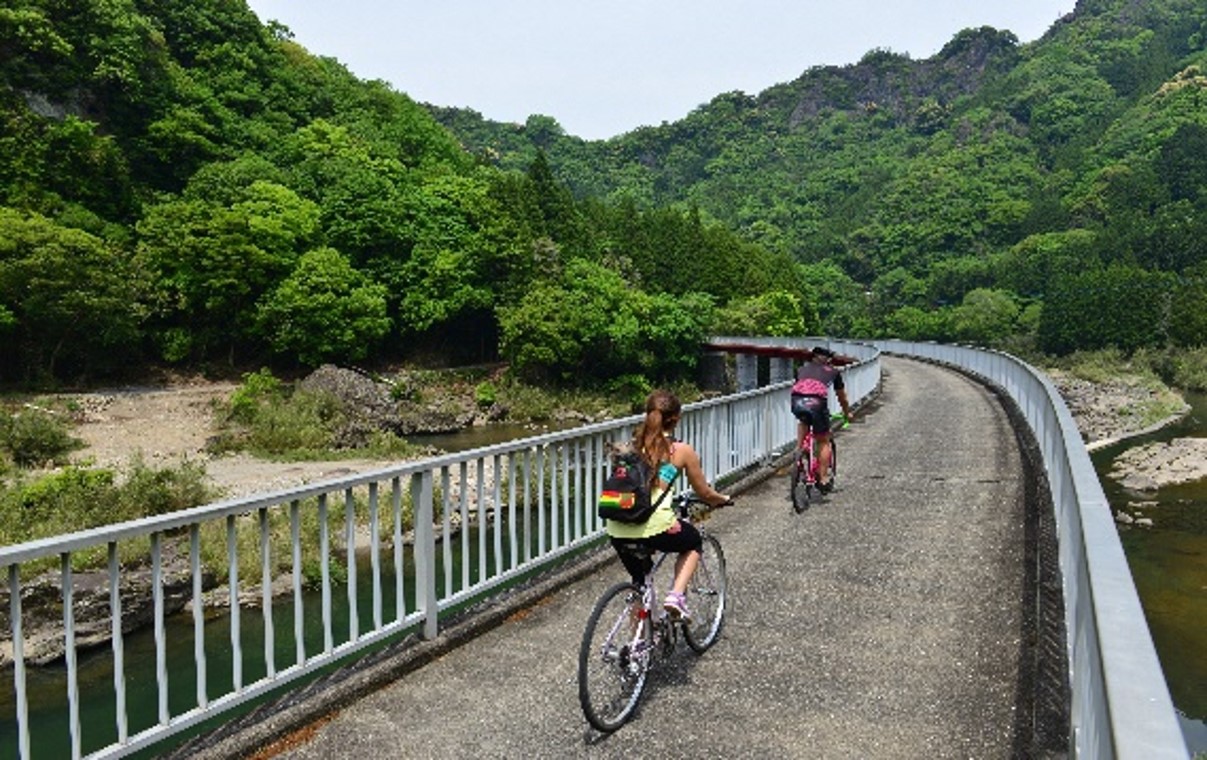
(355, 562)
(1120, 702)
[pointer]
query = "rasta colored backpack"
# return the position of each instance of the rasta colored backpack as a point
(625, 496)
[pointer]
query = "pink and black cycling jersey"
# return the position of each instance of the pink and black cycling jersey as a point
(810, 395)
(815, 380)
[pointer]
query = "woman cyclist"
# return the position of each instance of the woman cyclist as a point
(811, 405)
(664, 531)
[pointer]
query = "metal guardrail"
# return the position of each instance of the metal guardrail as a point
(391, 551)
(1121, 706)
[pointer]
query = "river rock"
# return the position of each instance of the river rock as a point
(1155, 465)
(42, 608)
(371, 405)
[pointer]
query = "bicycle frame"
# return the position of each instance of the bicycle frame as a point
(653, 615)
(806, 456)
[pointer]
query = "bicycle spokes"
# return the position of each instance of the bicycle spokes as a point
(614, 658)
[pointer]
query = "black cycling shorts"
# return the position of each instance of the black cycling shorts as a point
(635, 553)
(814, 411)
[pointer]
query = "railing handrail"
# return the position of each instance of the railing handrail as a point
(54, 545)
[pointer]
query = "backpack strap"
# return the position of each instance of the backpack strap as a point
(669, 487)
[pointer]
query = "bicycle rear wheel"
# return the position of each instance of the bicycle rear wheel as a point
(706, 596)
(611, 675)
(802, 490)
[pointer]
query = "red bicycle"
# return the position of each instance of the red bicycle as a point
(805, 481)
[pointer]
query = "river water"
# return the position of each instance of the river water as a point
(1169, 566)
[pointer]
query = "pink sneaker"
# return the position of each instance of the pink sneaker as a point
(676, 606)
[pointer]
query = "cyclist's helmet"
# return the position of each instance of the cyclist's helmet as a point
(824, 352)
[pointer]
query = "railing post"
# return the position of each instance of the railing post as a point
(769, 427)
(425, 553)
(19, 685)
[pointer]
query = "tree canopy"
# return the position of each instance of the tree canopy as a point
(182, 183)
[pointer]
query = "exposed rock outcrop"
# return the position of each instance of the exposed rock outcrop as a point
(374, 405)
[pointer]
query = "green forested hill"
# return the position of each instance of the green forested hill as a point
(1002, 171)
(180, 183)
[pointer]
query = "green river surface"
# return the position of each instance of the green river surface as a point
(1169, 566)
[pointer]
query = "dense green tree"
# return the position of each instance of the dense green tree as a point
(895, 289)
(69, 301)
(914, 323)
(843, 305)
(1188, 310)
(211, 262)
(611, 329)
(1182, 162)
(949, 280)
(986, 317)
(1030, 266)
(1120, 306)
(777, 312)
(324, 311)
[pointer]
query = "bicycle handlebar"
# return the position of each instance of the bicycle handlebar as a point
(684, 502)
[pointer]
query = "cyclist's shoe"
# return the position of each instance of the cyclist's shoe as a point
(826, 487)
(676, 606)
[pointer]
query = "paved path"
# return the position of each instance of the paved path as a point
(883, 623)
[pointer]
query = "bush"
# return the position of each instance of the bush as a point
(79, 498)
(1181, 368)
(298, 426)
(258, 389)
(635, 388)
(485, 394)
(35, 437)
(264, 417)
(147, 491)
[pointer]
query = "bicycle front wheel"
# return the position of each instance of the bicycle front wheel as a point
(833, 461)
(706, 597)
(613, 659)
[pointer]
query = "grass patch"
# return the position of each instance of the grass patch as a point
(1093, 366)
(214, 537)
(1181, 368)
(1137, 378)
(79, 498)
(274, 420)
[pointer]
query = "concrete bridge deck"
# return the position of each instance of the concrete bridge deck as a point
(894, 620)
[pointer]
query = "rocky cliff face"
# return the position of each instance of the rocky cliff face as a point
(904, 89)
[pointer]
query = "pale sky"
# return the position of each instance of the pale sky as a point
(605, 68)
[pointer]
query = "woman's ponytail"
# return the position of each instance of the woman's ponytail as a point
(661, 414)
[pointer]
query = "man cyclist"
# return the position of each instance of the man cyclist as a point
(811, 406)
